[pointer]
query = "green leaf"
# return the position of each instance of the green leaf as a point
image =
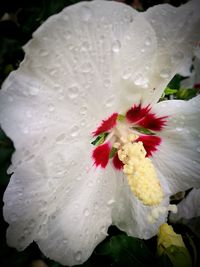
(175, 82)
(169, 91)
(112, 152)
(143, 130)
(126, 251)
(100, 139)
(186, 94)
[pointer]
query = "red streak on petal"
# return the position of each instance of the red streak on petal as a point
(197, 85)
(118, 164)
(136, 113)
(150, 143)
(106, 125)
(150, 121)
(100, 155)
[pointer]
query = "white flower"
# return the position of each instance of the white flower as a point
(93, 61)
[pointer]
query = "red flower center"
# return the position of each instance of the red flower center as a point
(110, 133)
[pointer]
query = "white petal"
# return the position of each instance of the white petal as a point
(189, 211)
(60, 203)
(189, 207)
(131, 216)
(148, 61)
(66, 78)
(178, 154)
(177, 31)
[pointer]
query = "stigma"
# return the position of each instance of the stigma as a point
(140, 172)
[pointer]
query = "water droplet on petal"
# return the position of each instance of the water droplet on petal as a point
(83, 110)
(116, 46)
(165, 73)
(148, 41)
(86, 67)
(179, 129)
(61, 137)
(73, 91)
(74, 130)
(110, 101)
(25, 130)
(126, 74)
(110, 202)
(86, 212)
(68, 34)
(96, 206)
(86, 13)
(33, 91)
(43, 53)
(85, 46)
(51, 107)
(78, 256)
(140, 80)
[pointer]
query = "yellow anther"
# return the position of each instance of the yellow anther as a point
(141, 174)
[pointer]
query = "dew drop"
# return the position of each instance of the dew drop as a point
(96, 206)
(61, 137)
(74, 131)
(83, 110)
(86, 212)
(110, 101)
(165, 73)
(25, 130)
(43, 53)
(140, 80)
(78, 256)
(68, 34)
(148, 41)
(198, 149)
(51, 107)
(179, 129)
(65, 241)
(73, 91)
(110, 202)
(86, 13)
(85, 46)
(33, 91)
(126, 74)
(116, 46)
(142, 50)
(28, 114)
(86, 67)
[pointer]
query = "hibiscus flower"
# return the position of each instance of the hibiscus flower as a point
(92, 145)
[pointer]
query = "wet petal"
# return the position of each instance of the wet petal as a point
(136, 214)
(177, 157)
(66, 78)
(60, 203)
